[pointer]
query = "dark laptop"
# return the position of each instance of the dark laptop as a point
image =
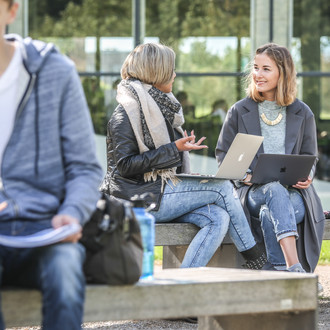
(288, 169)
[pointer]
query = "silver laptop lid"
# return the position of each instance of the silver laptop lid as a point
(239, 156)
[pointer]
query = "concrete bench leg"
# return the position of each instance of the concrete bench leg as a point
(226, 256)
(279, 321)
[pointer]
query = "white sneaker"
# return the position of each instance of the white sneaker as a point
(296, 268)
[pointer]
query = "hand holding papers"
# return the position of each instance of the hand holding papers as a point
(41, 238)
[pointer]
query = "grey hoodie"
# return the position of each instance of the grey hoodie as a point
(49, 165)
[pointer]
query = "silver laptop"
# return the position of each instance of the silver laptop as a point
(287, 169)
(238, 158)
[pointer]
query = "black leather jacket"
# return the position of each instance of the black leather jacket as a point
(126, 166)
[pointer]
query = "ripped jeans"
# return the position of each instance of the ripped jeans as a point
(279, 210)
(214, 207)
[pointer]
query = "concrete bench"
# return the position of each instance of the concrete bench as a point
(175, 238)
(220, 298)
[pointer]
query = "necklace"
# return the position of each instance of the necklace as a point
(271, 122)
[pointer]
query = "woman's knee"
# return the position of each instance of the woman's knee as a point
(225, 187)
(274, 189)
(216, 217)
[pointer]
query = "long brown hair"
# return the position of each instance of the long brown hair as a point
(287, 85)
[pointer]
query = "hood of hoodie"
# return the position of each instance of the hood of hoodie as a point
(35, 52)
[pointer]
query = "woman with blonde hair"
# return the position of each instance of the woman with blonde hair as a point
(287, 124)
(146, 149)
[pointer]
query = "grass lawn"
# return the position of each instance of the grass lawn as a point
(325, 253)
(324, 257)
(158, 253)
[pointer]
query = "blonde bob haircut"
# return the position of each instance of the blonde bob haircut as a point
(150, 63)
(287, 85)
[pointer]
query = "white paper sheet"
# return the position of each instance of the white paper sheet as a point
(41, 238)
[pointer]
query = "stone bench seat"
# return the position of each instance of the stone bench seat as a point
(221, 298)
(175, 237)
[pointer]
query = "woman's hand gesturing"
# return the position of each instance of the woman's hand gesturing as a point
(188, 143)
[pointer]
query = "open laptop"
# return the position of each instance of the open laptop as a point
(288, 169)
(238, 158)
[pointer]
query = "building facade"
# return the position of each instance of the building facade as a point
(214, 42)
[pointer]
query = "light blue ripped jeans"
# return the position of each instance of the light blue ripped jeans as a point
(279, 210)
(214, 207)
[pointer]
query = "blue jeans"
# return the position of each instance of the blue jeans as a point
(56, 270)
(279, 210)
(213, 206)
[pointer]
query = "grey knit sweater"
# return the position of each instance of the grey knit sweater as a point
(274, 136)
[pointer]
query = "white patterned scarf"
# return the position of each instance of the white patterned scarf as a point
(146, 107)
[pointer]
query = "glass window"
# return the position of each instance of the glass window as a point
(213, 34)
(213, 54)
(205, 101)
(311, 45)
(96, 35)
(212, 43)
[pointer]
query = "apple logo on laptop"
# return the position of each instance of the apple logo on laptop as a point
(283, 169)
(240, 158)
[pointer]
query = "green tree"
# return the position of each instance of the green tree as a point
(170, 21)
(95, 98)
(39, 9)
(87, 18)
(91, 18)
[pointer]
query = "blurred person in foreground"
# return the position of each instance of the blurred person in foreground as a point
(49, 172)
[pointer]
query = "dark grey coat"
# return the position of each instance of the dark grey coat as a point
(300, 138)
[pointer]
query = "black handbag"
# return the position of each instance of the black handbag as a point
(113, 244)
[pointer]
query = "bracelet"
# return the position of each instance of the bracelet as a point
(244, 177)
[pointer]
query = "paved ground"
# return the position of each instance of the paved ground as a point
(324, 301)
(324, 314)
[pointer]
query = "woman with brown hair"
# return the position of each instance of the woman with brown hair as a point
(287, 124)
